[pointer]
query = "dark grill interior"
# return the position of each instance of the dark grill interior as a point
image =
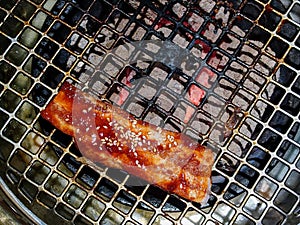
(247, 112)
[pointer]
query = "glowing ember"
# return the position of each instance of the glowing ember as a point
(206, 77)
(205, 48)
(188, 114)
(123, 92)
(163, 23)
(196, 95)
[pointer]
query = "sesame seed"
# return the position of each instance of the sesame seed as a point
(94, 138)
(105, 127)
(171, 138)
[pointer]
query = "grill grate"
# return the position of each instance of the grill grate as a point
(250, 86)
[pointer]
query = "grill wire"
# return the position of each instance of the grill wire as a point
(252, 50)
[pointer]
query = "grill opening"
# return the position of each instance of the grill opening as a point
(243, 63)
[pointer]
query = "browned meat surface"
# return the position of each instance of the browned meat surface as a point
(107, 134)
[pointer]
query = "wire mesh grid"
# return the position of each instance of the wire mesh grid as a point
(252, 52)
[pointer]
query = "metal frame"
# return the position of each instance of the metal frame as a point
(255, 81)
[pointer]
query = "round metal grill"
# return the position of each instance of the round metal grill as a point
(251, 86)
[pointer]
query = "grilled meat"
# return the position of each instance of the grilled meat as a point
(107, 134)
